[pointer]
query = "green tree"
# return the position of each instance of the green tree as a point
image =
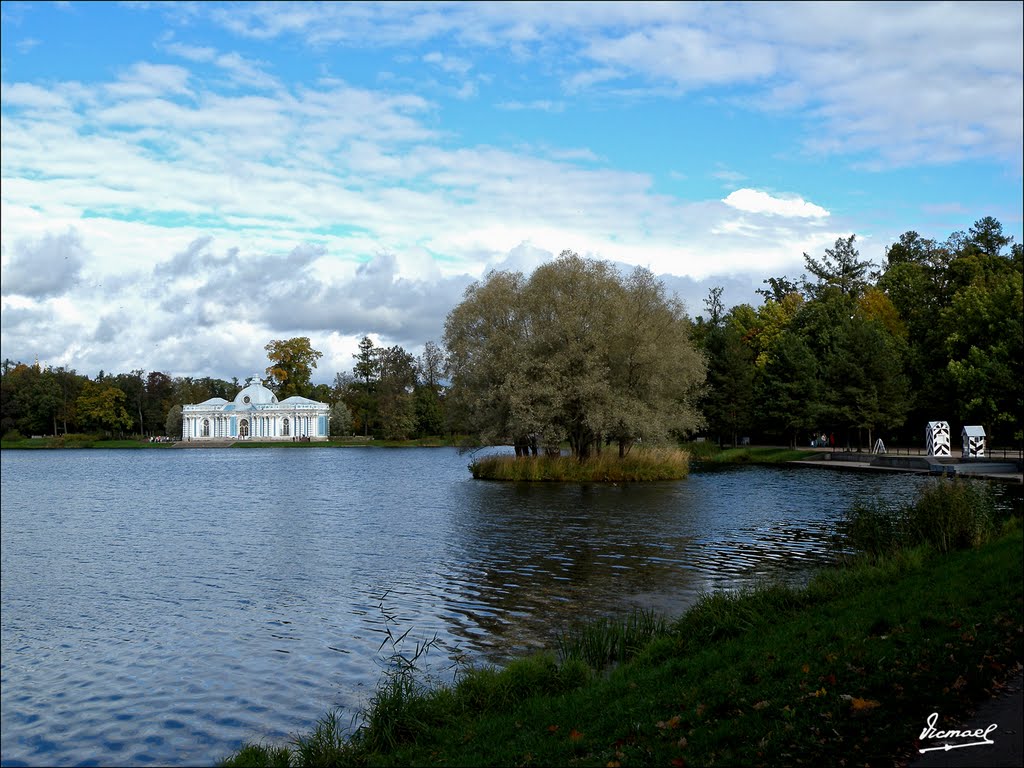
(486, 337)
(789, 388)
(575, 353)
(984, 346)
(364, 400)
(841, 267)
(41, 401)
(159, 398)
(429, 406)
(728, 403)
(173, 422)
(291, 365)
(341, 420)
(101, 406)
(656, 372)
(134, 387)
(396, 378)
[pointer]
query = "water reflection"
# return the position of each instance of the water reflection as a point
(529, 560)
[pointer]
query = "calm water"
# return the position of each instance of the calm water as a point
(160, 607)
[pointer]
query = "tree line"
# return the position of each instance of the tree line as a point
(934, 334)
(389, 393)
(579, 353)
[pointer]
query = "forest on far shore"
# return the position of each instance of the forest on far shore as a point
(846, 349)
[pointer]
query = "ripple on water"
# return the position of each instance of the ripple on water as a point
(258, 596)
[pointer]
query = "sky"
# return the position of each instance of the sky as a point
(183, 183)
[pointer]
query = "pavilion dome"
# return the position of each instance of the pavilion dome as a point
(255, 394)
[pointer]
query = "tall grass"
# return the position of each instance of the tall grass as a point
(611, 641)
(947, 515)
(640, 465)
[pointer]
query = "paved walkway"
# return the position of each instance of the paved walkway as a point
(1003, 471)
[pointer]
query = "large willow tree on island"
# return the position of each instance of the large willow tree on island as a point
(576, 353)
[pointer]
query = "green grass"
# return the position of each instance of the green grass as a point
(609, 641)
(843, 671)
(78, 441)
(712, 454)
(351, 442)
(98, 441)
(639, 465)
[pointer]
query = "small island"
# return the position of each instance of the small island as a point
(641, 465)
(575, 354)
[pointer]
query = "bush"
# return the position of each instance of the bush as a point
(952, 515)
(12, 436)
(947, 515)
(639, 465)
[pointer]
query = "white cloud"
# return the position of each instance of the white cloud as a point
(755, 201)
(902, 84)
(448, 63)
(194, 188)
(190, 52)
(540, 105)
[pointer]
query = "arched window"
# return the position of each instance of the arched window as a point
(284, 427)
(206, 427)
(243, 428)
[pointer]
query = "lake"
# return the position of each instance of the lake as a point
(159, 607)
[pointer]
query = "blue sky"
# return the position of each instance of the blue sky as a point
(184, 182)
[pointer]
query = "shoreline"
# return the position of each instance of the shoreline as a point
(754, 678)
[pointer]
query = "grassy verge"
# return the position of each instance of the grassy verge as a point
(843, 671)
(78, 441)
(712, 454)
(350, 442)
(96, 441)
(640, 465)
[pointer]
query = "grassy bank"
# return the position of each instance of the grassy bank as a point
(713, 454)
(844, 671)
(97, 441)
(353, 442)
(77, 441)
(640, 465)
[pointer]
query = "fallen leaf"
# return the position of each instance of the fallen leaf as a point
(700, 709)
(575, 735)
(761, 705)
(806, 668)
(671, 724)
(552, 728)
(678, 762)
(863, 704)
(681, 743)
(613, 764)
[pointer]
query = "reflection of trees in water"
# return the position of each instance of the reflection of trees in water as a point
(556, 555)
(527, 561)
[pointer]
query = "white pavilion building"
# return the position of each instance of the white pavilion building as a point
(256, 414)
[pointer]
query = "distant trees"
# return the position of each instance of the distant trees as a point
(341, 420)
(173, 422)
(574, 353)
(935, 333)
(101, 407)
(580, 353)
